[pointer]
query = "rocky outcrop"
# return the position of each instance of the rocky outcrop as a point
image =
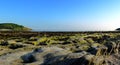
(52, 56)
(58, 56)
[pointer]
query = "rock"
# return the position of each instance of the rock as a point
(29, 58)
(84, 60)
(64, 59)
(52, 56)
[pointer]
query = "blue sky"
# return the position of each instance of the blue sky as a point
(62, 15)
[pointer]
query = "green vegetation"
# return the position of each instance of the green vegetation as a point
(13, 27)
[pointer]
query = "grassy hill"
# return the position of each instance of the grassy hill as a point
(12, 27)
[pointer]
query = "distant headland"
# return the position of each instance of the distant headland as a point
(13, 27)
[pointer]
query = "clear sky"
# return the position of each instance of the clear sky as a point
(62, 15)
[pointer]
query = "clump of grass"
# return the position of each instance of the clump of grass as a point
(43, 41)
(89, 40)
(51, 42)
(32, 39)
(85, 47)
(82, 41)
(95, 45)
(35, 43)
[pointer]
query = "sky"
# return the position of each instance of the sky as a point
(62, 15)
